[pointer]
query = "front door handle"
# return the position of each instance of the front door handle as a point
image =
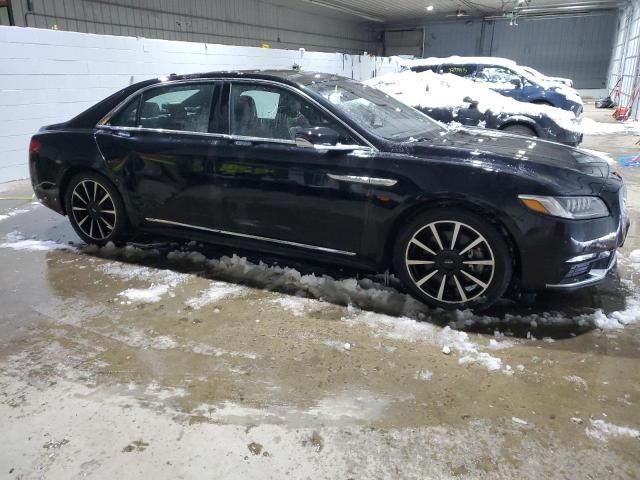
(381, 182)
(242, 143)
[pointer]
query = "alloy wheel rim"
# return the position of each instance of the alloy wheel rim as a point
(93, 210)
(450, 261)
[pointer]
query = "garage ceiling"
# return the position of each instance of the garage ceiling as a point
(419, 11)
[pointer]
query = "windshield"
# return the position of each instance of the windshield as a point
(376, 111)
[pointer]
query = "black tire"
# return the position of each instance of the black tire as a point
(475, 279)
(522, 130)
(95, 224)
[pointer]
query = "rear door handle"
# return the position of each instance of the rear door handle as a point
(242, 143)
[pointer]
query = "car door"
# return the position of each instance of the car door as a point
(272, 189)
(160, 146)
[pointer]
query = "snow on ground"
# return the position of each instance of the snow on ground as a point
(589, 126)
(17, 211)
(408, 319)
(17, 241)
(602, 431)
(217, 291)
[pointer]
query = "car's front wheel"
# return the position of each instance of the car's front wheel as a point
(451, 259)
(95, 209)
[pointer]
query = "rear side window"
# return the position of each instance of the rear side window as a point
(185, 108)
(459, 70)
(127, 117)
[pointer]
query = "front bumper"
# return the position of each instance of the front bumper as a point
(584, 273)
(569, 254)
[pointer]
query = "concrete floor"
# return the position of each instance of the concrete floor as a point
(181, 361)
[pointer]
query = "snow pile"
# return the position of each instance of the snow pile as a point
(410, 330)
(294, 305)
(601, 431)
(152, 294)
(579, 381)
(163, 282)
(431, 90)
(360, 292)
(424, 375)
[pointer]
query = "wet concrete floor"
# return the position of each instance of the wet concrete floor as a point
(184, 361)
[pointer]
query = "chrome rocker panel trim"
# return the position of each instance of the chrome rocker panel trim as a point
(253, 237)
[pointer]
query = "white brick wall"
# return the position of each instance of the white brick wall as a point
(49, 76)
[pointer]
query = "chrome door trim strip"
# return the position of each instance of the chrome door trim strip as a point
(253, 237)
(383, 182)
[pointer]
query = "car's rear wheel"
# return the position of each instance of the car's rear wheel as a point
(453, 259)
(522, 130)
(95, 209)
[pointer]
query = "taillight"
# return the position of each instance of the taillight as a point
(34, 146)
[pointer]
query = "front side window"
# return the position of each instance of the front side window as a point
(185, 108)
(263, 111)
(499, 76)
(376, 111)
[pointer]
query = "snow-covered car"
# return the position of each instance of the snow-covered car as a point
(450, 99)
(505, 77)
(561, 80)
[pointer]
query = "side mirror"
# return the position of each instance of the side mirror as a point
(316, 136)
(471, 101)
(516, 82)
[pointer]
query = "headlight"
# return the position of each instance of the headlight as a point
(574, 208)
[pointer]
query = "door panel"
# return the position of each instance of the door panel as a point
(284, 192)
(160, 146)
(269, 187)
(168, 176)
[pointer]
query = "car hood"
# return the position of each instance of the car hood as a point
(530, 154)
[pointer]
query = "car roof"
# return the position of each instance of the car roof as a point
(456, 60)
(292, 76)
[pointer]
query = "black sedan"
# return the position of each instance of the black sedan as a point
(315, 165)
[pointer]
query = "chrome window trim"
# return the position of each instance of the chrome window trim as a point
(253, 237)
(102, 124)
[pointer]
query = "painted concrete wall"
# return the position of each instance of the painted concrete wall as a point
(50, 76)
(577, 47)
(280, 23)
